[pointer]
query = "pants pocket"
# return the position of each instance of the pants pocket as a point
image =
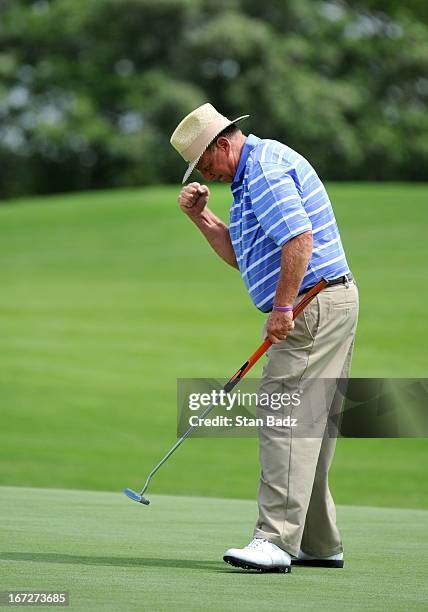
(311, 317)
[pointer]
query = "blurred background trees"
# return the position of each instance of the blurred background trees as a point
(90, 90)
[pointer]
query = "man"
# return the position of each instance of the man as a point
(283, 238)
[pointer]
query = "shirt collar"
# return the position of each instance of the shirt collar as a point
(249, 145)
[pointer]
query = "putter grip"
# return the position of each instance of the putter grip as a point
(309, 296)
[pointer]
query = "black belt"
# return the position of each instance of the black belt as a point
(340, 280)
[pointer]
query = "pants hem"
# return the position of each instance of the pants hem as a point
(324, 553)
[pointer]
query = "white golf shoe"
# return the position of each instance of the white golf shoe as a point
(259, 555)
(304, 559)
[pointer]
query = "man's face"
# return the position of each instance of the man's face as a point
(218, 164)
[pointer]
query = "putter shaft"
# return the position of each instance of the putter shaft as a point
(236, 378)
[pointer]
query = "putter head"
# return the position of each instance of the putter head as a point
(136, 496)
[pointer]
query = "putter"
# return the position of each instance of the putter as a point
(139, 497)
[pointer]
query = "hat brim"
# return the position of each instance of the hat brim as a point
(195, 161)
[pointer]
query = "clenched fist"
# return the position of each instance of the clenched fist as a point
(193, 198)
(279, 325)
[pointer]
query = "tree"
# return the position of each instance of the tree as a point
(90, 90)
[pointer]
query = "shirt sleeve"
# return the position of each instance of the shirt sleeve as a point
(276, 203)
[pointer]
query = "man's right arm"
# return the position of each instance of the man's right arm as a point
(193, 201)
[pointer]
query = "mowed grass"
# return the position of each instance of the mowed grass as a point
(107, 298)
(112, 554)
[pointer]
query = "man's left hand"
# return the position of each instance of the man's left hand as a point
(279, 325)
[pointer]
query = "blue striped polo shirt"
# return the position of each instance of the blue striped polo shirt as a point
(277, 195)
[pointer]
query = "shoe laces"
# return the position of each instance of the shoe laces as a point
(256, 542)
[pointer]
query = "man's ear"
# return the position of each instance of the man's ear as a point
(223, 143)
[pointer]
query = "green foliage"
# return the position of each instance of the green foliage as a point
(90, 90)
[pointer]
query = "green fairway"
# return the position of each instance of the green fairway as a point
(113, 554)
(107, 298)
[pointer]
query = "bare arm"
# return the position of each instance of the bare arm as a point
(295, 257)
(217, 234)
(296, 254)
(193, 200)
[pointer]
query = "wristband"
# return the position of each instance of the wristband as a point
(283, 308)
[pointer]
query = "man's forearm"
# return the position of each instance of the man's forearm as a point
(217, 234)
(296, 254)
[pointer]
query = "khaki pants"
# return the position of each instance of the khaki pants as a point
(296, 508)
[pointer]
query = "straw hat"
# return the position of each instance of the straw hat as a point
(196, 132)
